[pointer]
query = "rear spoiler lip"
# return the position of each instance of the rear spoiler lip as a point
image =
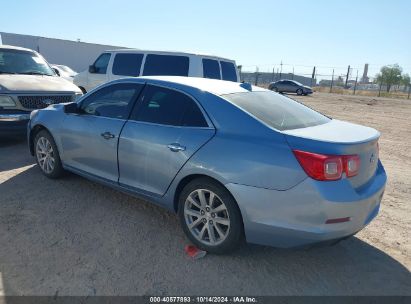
(304, 133)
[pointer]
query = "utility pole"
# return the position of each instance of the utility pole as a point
(293, 73)
(272, 80)
(281, 69)
(312, 77)
(346, 79)
(356, 79)
(332, 82)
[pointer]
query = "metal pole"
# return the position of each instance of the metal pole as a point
(293, 74)
(256, 76)
(346, 79)
(281, 69)
(355, 85)
(312, 77)
(273, 74)
(332, 82)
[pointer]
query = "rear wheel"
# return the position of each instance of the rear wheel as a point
(275, 89)
(47, 155)
(299, 92)
(210, 216)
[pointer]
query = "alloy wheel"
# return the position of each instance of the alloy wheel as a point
(45, 155)
(207, 217)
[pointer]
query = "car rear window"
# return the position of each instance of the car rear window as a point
(279, 112)
(166, 65)
(228, 71)
(127, 64)
(211, 69)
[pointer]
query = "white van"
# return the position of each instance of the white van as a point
(116, 64)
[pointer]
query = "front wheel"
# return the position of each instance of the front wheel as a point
(299, 92)
(210, 216)
(47, 155)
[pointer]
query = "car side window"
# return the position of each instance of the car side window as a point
(169, 65)
(127, 64)
(211, 69)
(101, 63)
(114, 101)
(228, 71)
(168, 107)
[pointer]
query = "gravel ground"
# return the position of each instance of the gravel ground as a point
(74, 237)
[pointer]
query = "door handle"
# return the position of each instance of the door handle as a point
(175, 147)
(107, 135)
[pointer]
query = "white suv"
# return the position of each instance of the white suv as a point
(116, 64)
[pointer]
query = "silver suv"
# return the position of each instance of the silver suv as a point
(27, 83)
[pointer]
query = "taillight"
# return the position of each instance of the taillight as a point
(327, 167)
(351, 165)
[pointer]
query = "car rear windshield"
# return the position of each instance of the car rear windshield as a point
(278, 112)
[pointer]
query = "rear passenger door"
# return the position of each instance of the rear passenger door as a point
(165, 129)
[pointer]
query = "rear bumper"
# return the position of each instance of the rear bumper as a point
(296, 217)
(12, 124)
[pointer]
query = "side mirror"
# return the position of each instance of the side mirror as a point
(71, 108)
(56, 71)
(92, 69)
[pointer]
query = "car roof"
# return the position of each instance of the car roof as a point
(165, 53)
(12, 47)
(214, 86)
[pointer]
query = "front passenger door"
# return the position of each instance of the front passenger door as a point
(90, 138)
(98, 73)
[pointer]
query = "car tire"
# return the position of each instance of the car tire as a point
(300, 92)
(275, 89)
(47, 155)
(198, 219)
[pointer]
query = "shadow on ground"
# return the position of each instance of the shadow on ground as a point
(75, 237)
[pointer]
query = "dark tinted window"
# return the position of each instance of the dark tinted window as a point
(113, 101)
(277, 111)
(211, 69)
(168, 107)
(101, 63)
(166, 65)
(127, 64)
(228, 71)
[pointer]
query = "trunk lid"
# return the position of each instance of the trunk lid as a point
(340, 138)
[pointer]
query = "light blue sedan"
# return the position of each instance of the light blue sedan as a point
(233, 160)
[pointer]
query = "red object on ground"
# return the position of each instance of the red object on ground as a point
(194, 252)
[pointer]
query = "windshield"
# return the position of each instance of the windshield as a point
(23, 62)
(277, 111)
(66, 69)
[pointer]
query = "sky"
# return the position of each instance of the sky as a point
(300, 34)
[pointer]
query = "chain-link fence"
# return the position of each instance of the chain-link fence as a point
(340, 80)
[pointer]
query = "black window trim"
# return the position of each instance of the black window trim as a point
(142, 95)
(131, 106)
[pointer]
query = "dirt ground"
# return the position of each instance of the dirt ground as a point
(74, 237)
